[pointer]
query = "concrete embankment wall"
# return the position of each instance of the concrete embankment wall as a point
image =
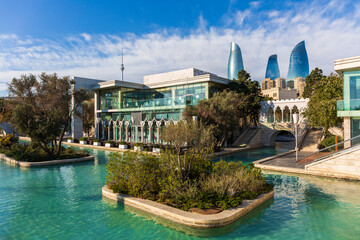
(347, 163)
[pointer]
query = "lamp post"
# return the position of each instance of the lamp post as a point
(296, 120)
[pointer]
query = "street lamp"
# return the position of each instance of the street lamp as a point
(296, 120)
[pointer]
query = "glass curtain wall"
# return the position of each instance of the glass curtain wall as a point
(177, 96)
(109, 99)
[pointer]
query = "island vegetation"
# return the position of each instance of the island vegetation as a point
(31, 152)
(184, 175)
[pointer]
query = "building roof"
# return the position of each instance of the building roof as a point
(168, 79)
(347, 64)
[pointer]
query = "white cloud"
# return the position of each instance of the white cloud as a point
(240, 16)
(328, 37)
(7, 36)
(255, 4)
(86, 36)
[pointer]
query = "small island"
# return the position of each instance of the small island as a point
(183, 182)
(31, 155)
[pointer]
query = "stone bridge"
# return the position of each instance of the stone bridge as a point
(269, 132)
(276, 116)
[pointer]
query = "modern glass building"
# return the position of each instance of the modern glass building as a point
(272, 69)
(127, 111)
(349, 107)
(235, 63)
(298, 65)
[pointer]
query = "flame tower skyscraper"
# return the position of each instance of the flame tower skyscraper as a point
(298, 65)
(272, 69)
(235, 61)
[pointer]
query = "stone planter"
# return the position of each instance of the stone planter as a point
(195, 220)
(97, 143)
(70, 140)
(83, 142)
(108, 145)
(138, 148)
(123, 146)
(156, 150)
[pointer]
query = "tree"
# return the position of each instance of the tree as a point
(321, 110)
(311, 80)
(41, 109)
(250, 91)
(222, 112)
(190, 139)
(5, 110)
(88, 116)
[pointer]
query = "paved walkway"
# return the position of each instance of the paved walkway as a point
(288, 160)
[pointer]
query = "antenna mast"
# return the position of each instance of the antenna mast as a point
(122, 68)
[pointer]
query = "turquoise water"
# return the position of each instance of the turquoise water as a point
(65, 202)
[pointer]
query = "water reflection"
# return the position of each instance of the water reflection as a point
(339, 189)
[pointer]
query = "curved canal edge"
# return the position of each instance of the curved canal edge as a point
(44, 163)
(186, 218)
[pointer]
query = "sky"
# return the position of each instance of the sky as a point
(85, 38)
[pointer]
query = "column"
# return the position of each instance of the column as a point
(97, 122)
(347, 131)
(136, 134)
(103, 131)
(76, 120)
(142, 134)
(120, 131)
(127, 133)
(158, 134)
(109, 129)
(274, 115)
(114, 132)
(282, 115)
(291, 117)
(150, 134)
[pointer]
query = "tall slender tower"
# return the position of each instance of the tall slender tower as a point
(122, 65)
(298, 65)
(272, 69)
(235, 63)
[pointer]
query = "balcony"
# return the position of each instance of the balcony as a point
(348, 108)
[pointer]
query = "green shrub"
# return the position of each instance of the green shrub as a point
(138, 145)
(96, 140)
(329, 141)
(33, 153)
(156, 146)
(8, 140)
(123, 178)
(70, 138)
(83, 139)
(208, 185)
(109, 142)
(122, 143)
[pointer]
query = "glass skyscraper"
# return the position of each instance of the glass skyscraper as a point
(299, 64)
(235, 61)
(272, 69)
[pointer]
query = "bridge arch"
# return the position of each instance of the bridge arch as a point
(281, 136)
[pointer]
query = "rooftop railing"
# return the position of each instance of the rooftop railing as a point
(348, 105)
(355, 142)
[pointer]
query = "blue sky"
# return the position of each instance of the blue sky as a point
(85, 38)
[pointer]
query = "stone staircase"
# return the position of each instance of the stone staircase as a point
(245, 136)
(311, 141)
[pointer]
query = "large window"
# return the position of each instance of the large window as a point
(109, 99)
(354, 87)
(355, 130)
(176, 96)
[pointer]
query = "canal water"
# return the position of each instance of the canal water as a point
(65, 202)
